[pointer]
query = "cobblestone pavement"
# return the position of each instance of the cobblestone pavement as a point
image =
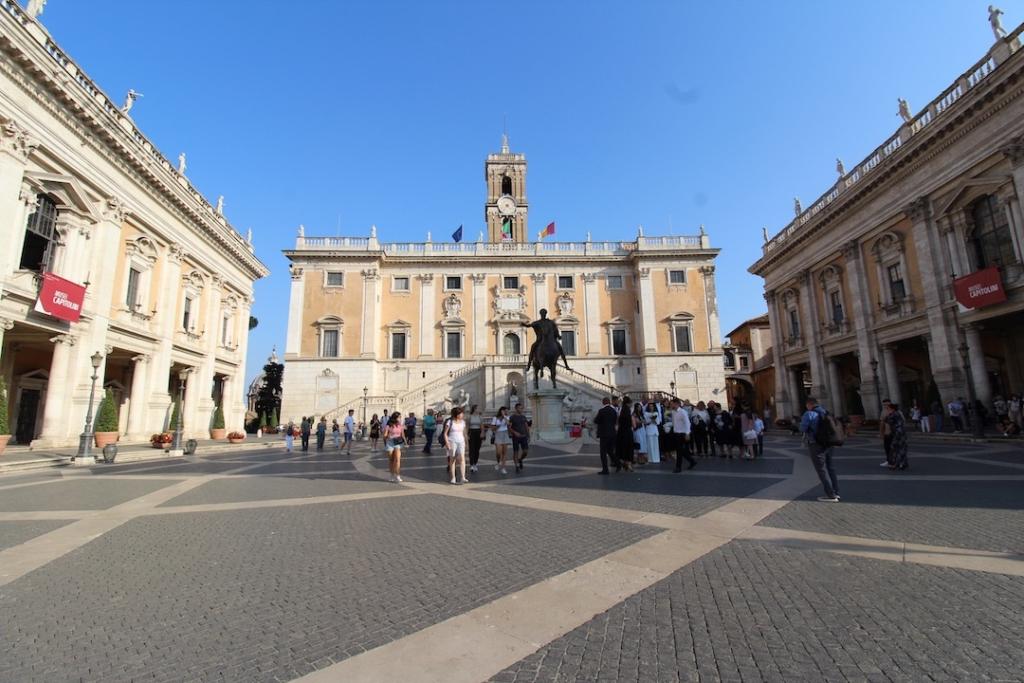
(265, 566)
(751, 612)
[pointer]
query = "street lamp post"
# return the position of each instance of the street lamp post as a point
(424, 402)
(84, 455)
(182, 376)
(365, 392)
(878, 387)
(672, 387)
(977, 428)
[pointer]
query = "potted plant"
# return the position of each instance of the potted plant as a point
(5, 429)
(217, 430)
(161, 440)
(236, 437)
(105, 430)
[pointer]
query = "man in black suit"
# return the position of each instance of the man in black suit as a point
(605, 421)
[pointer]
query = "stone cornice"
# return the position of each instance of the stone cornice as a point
(36, 64)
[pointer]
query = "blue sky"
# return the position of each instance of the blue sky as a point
(666, 114)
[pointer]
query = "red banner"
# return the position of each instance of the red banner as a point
(980, 289)
(60, 298)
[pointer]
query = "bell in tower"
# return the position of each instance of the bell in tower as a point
(506, 207)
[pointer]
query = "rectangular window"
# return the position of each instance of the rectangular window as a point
(619, 342)
(398, 345)
(744, 362)
(836, 301)
(677, 277)
(132, 296)
(335, 279)
(453, 282)
(400, 283)
(186, 318)
(614, 281)
(510, 282)
(330, 344)
(565, 281)
(569, 342)
(794, 323)
(896, 286)
(682, 334)
(225, 330)
(453, 345)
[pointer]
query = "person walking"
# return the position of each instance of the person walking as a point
(917, 415)
(821, 454)
(305, 430)
(410, 430)
(759, 428)
(897, 438)
(350, 428)
(624, 436)
(374, 432)
(605, 421)
(321, 433)
(713, 412)
(289, 436)
(455, 442)
(499, 425)
(956, 414)
(681, 436)
(475, 424)
(1015, 408)
(429, 427)
(639, 434)
(336, 434)
(885, 432)
(652, 432)
(748, 433)
(519, 430)
(723, 432)
(699, 419)
(936, 410)
(394, 439)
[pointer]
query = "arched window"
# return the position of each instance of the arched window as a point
(990, 234)
(506, 185)
(40, 236)
(511, 344)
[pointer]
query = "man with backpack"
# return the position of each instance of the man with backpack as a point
(821, 434)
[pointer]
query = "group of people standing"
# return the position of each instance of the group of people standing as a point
(308, 427)
(632, 433)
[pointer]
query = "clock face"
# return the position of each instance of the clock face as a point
(506, 205)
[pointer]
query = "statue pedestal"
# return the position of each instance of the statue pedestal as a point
(548, 419)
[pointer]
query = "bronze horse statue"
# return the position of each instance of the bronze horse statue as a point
(546, 351)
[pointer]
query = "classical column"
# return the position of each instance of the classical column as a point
(371, 294)
(5, 325)
(1008, 197)
(137, 407)
(711, 307)
(540, 295)
(479, 314)
(648, 327)
(242, 350)
(819, 379)
(1015, 153)
(592, 311)
(838, 406)
(428, 315)
(188, 411)
(167, 320)
(976, 354)
(935, 286)
(863, 322)
(892, 377)
(16, 145)
(293, 343)
(783, 400)
(58, 391)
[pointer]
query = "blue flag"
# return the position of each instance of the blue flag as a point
(457, 235)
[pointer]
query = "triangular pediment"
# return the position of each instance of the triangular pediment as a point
(969, 190)
(67, 190)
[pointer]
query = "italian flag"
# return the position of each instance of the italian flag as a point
(548, 231)
(506, 229)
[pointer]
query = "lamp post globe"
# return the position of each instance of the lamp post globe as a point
(366, 391)
(182, 376)
(84, 455)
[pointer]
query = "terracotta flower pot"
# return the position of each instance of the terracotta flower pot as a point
(236, 439)
(218, 434)
(104, 438)
(4, 438)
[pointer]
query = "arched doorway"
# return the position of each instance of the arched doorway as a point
(514, 389)
(511, 344)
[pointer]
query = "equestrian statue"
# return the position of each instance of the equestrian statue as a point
(546, 351)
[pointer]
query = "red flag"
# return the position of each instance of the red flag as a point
(550, 230)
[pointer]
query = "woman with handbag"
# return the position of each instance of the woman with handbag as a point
(500, 438)
(374, 432)
(749, 433)
(394, 439)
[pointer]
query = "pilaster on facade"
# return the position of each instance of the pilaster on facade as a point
(479, 313)
(371, 308)
(648, 323)
(711, 305)
(592, 311)
(428, 314)
(979, 368)
(819, 380)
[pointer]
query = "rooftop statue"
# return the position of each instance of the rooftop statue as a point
(904, 111)
(181, 163)
(840, 168)
(35, 7)
(994, 14)
(220, 205)
(129, 100)
(798, 208)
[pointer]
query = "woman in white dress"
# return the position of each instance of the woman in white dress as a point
(652, 426)
(455, 441)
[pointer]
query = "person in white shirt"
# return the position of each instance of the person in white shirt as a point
(455, 442)
(652, 429)
(350, 428)
(681, 436)
(502, 439)
(759, 429)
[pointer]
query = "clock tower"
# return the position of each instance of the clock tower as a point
(506, 207)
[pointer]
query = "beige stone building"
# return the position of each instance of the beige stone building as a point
(862, 286)
(415, 324)
(84, 195)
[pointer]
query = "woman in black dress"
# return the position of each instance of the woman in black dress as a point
(374, 432)
(624, 435)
